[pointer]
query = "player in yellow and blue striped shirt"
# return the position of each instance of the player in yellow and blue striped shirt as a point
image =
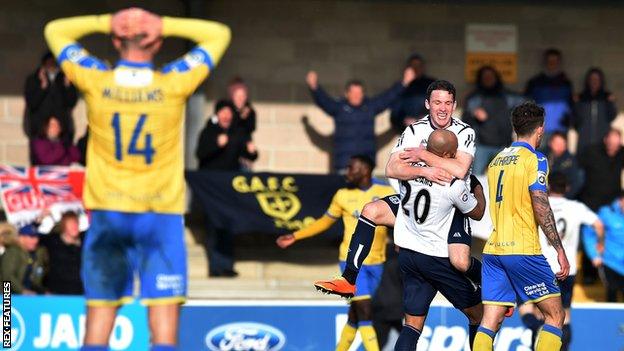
(134, 177)
(346, 205)
(514, 269)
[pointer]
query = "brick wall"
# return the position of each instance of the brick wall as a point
(284, 145)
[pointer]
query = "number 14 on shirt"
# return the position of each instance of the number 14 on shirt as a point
(147, 151)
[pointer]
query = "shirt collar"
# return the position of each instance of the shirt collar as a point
(523, 144)
(131, 64)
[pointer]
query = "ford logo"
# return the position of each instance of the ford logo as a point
(245, 336)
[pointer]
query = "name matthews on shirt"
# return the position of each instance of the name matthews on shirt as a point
(133, 95)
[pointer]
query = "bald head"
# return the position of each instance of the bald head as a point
(442, 143)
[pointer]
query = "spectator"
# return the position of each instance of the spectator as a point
(64, 250)
(50, 146)
(487, 110)
(411, 105)
(81, 144)
(221, 145)
(561, 160)
(354, 116)
(594, 110)
(552, 89)
(48, 91)
(8, 237)
(602, 164)
(25, 264)
(606, 253)
(244, 113)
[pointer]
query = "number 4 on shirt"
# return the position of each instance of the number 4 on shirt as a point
(147, 151)
(499, 187)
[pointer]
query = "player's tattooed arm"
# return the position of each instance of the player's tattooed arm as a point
(545, 218)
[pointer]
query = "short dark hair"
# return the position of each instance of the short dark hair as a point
(351, 82)
(558, 134)
(527, 117)
(47, 56)
(441, 85)
(558, 182)
(414, 57)
(552, 52)
(221, 104)
(365, 159)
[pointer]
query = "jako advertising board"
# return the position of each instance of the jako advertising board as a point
(57, 323)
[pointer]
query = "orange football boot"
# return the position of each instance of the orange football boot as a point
(337, 286)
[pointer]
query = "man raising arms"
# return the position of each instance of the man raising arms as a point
(134, 177)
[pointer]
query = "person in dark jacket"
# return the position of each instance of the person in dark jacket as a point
(354, 116)
(48, 91)
(561, 160)
(487, 110)
(411, 105)
(594, 110)
(221, 145)
(553, 90)
(603, 165)
(25, 263)
(244, 113)
(64, 251)
(50, 147)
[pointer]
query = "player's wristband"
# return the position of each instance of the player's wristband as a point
(474, 181)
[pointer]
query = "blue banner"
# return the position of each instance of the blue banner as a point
(57, 323)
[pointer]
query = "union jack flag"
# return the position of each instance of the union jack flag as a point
(26, 191)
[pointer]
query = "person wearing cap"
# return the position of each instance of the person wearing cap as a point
(25, 264)
(220, 144)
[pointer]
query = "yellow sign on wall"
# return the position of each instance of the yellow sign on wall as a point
(505, 64)
(494, 45)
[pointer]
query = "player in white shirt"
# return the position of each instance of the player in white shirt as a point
(410, 149)
(422, 229)
(569, 216)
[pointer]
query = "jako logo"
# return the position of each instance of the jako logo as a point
(18, 329)
(245, 336)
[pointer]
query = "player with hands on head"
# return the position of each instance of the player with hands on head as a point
(135, 188)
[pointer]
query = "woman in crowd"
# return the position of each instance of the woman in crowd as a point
(594, 110)
(50, 148)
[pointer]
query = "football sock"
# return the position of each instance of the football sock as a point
(474, 272)
(484, 340)
(94, 348)
(566, 338)
(346, 337)
(408, 339)
(472, 332)
(359, 247)
(160, 347)
(369, 337)
(548, 338)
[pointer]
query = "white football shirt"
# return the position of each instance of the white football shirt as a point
(569, 216)
(427, 209)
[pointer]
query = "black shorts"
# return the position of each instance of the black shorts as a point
(424, 275)
(393, 201)
(460, 232)
(567, 287)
